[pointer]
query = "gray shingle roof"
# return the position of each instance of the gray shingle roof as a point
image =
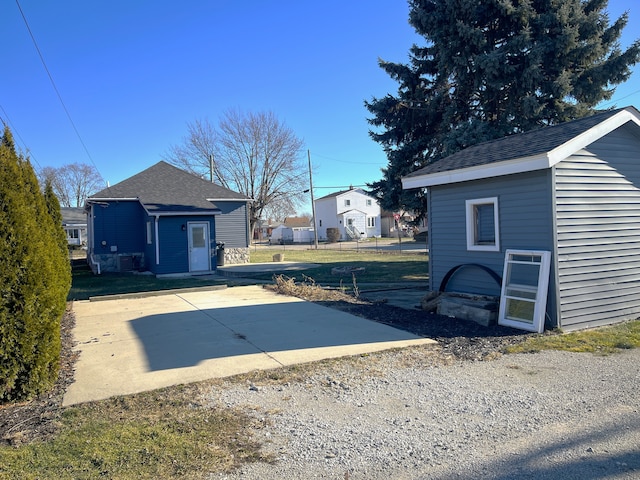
(528, 144)
(335, 194)
(165, 188)
(73, 216)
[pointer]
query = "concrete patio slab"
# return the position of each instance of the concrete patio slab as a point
(133, 345)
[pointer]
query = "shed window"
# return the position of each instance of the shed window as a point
(482, 224)
(149, 233)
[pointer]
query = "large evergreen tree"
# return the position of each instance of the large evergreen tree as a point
(492, 68)
(34, 279)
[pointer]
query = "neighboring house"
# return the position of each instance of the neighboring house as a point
(392, 222)
(572, 190)
(74, 222)
(293, 230)
(167, 221)
(354, 213)
(263, 229)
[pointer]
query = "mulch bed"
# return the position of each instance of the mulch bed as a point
(38, 419)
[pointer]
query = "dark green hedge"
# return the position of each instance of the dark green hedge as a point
(35, 278)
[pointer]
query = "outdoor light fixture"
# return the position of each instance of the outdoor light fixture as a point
(184, 227)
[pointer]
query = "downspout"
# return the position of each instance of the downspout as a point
(94, 263)
(157, 217)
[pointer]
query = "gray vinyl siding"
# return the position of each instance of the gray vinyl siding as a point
(232, 226)
(598, 229)
(525, 210)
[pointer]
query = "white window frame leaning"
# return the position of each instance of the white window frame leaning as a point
(532, 318)
(470, 209)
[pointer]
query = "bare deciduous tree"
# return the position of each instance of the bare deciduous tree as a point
(254, 154)
(72, 183)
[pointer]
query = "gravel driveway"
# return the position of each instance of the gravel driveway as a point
(410, 415)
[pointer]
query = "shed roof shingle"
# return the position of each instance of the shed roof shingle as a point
(528, 144)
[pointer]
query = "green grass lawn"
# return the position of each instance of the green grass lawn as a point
(85, 284)
(601, 341)
(379, 267)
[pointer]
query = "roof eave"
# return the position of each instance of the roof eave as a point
(182, 214)
(479, 172)
(525, 164)
(593, 134)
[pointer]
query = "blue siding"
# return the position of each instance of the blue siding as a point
(150, 248)
(525, 213)
(232, 225)
(119, 224)
(174, 244)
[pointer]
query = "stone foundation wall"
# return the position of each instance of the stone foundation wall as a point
(234, 256)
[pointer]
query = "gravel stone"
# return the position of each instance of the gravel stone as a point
(408, 415)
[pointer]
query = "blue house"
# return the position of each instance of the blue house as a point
(166, 221)
(568, 195)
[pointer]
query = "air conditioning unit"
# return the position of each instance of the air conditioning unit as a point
(125, 263)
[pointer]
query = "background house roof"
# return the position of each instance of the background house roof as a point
(165, 188)
(336, 194)
(528, 144)
(73, 216)
(297, 222)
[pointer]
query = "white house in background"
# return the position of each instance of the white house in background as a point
(293, 230)
(354, 213)
(74, 222)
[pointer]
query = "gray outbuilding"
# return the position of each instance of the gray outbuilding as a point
(572, 190)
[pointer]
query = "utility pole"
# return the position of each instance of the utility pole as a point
(211, 166)
(313, 204)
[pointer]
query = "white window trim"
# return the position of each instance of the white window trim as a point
(537, 295)
(470, 220)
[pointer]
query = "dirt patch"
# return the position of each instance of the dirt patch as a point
(38, 419)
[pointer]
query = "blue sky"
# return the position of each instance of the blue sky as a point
(133, 73)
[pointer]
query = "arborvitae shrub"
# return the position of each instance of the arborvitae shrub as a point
(34, 280)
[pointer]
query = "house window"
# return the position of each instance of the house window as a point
(149, 233)
(319, 223)
(482, 224)
(350, 221)
(368, 202)
(347, 202)
(73, 233)
(371, 221)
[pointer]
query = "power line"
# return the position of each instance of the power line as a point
(344, 161)
(15, 131)
(55, 88)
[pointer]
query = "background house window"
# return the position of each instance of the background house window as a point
(350, 221)
(347, 202)
(371, 221)
(368, 203)
(482, 224)
(319, 223)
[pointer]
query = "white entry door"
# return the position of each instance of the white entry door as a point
(199, 255)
